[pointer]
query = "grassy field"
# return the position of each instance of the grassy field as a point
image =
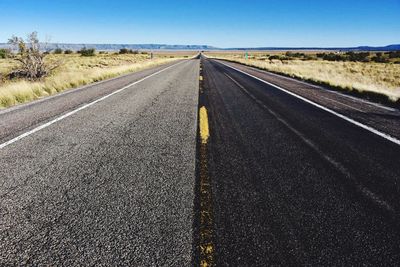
(74, 71)
(381, 78)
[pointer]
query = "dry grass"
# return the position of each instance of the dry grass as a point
(74, 71)
(381, 78)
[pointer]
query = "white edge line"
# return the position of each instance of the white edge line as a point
(337, 165)
(359, 124)
(81, 108)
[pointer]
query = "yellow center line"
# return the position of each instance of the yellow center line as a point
(206, 230)
(204, 131)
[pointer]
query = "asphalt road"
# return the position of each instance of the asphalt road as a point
(110, 185)
(281, 173)
(293, 184)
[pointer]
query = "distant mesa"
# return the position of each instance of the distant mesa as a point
(394, 47)
(116, 47)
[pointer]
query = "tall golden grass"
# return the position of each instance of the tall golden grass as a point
(381, 78)
(74, 71)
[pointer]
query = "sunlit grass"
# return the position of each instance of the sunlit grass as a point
(382, 78)
(74, 71)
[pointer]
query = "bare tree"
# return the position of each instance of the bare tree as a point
(31, 58)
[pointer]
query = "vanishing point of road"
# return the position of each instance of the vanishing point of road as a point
(200, 162)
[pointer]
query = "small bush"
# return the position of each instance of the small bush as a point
(361, 56)
(379, 59)
(58, 51)
(394, 54)
(128, 51)
(125, 51)
(5, 53)
(31, 59)
(274, 57)
(87, 52)
(332, 57)
(68, 51)
(348, 56)
(291, 54)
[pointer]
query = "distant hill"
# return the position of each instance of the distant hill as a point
(394, 47)
(116, 47)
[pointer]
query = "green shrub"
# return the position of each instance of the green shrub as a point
(361, 56)
(379, 59)
(291, 54)
(68, 51)
(4, 53)
(332, 57)
(128, 51)
(274, 57)
(394, 54)
(87, 52)
(58, 51)
(125, 51)
(348, 56)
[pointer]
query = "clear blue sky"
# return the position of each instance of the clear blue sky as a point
(222, 23)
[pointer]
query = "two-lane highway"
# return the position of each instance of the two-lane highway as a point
(283, 173)
(294, 184)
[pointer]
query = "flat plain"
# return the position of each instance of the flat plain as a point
(381, 78)
(75, 70)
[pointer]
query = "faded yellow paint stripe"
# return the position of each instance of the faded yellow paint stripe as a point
(204, 131)
(206, 245)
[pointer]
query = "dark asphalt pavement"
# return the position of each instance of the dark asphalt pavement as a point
(294, 185)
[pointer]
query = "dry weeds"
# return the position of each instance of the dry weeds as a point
(381, 78)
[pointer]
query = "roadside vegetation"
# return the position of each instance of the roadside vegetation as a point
(87, 52)
(377, 72)
(50, 72)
